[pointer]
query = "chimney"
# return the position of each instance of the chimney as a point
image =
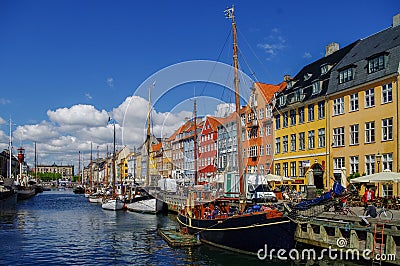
(286, 77)
(396, 20)
(331, 48)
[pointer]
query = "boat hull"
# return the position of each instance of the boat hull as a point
(95, 199)
(113, 204)
(23, 194)
(245, 234)
(152, 206)
(8, 200)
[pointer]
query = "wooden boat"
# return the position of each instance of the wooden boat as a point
(232, 223)
(8, 196)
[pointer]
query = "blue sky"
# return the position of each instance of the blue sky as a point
(66, 65)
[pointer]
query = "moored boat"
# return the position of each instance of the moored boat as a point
(25, 192)
(112, 203)
(233, 222)
(8, 196)
(79, 190)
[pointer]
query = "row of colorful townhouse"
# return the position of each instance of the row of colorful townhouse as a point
(337, 118)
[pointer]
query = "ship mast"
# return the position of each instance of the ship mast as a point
(9, 153)
(231, 15)
(91, 168)
(147, 180)
(195, 143)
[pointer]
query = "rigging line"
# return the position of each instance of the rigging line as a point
(247, 64)
(251, 49)
(219, 56)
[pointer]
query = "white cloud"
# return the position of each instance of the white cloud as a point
(88, 96)
(4, 101)
(274, 43)
(307, 55)
(224, 109)
(110, 82)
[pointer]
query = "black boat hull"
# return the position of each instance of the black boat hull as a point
(244, 234)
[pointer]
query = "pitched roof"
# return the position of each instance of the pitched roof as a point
(384, 42)
(268, 90)
(214, 122)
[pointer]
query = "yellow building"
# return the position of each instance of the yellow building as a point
(300, 123)
(364, 109)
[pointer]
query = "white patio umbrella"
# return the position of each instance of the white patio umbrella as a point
(385, 176)
(272, 177)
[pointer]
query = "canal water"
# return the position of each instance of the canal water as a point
(61, 228)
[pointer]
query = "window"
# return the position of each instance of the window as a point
(268, 149)
(354, 134)
(285, 119)
(285, 144)
(370, 164)
(292, 117)
(261, 150)
(387, 190)
(277, 145)
(261, 113)
(293, 142)
(301, 115)
(302, 141)
(277, 122)
(369, 98)
(370, 132)
(321, 109)
(387, 93)
(302, 169)
(324, 69)
(387, 161)
(261, 131)
(310, 112)
(267, 168)
(387, 129)
(345, 75)
(338, 163)
(278, 169)
(321, 137)
(282, 100)
(268, 111)
(354, 166)
(338, 106)
(376, 64)
(311, 135)
(253, 151)
(285, 169)
(338, 137)
(316, 87)
(268, 130)
(292, 169)
(353, 102)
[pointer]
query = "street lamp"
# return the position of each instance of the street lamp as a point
(378, 159)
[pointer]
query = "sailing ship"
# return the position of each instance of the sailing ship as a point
(145, 199)
(113, 201)
(226, 221)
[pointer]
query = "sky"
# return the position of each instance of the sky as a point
(67, 66)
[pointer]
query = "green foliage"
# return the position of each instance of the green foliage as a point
(354, 175)
(319, 191)
(49, 176)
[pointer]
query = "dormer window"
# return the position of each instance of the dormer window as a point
(316, 87)
(307, 76)
(376, 63)
(324, 69)
(289, 84)
(253, 100)
(282, 100)
(345, 75)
